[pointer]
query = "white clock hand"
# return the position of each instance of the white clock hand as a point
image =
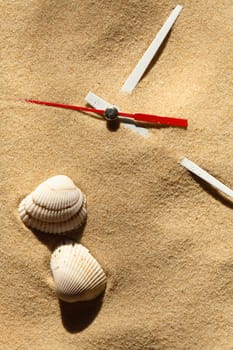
(143, 63)
(195, 169)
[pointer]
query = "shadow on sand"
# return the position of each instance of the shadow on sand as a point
(78, 316)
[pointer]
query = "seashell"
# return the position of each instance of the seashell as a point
(76, 273)
(56, 206)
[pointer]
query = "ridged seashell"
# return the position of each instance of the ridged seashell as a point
(56, 206)
(76, 273)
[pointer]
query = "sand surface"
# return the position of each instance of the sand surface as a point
(164, 238)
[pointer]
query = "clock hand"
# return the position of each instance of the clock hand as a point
(183, 123)
(62, 105)
(195, 169)
(144, 62)
(109, 114)
(136, 116)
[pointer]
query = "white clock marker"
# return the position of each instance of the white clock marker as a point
(143, 63)
(98, 103)
(195, 169)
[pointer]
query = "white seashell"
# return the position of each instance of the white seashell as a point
(56, 206)
(76, 273)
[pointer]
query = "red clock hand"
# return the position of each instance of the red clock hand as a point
(137, 116)
(183, 123)
(61, 105)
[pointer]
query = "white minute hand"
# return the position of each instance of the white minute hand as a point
(143, 63)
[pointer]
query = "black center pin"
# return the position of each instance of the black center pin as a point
(112, 119)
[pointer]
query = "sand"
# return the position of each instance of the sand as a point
(163, 236)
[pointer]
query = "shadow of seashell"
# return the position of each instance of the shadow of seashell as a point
(52, 240)
(79, 315)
